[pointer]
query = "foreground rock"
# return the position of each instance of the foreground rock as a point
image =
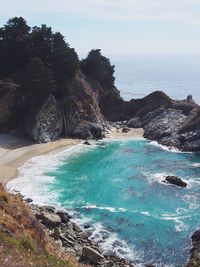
(71, 238)
(175, 181)
(24, 242)
(92, 256)
(195, 251)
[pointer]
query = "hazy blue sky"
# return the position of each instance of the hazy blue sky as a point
(118, 27)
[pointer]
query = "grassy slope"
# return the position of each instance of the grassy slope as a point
(23, 240)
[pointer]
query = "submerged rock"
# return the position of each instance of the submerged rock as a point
(175, 181)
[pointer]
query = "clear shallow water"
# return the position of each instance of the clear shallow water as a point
(177, 76)
(117, 188)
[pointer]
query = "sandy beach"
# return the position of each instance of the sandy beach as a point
(115, 133)
(15, 151)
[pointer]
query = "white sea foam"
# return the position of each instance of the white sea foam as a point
(109, 241)
(111, 209)
(179, 224)
(160, 177)
(33, 180)
(146, 213)
(197, 165)
(155, 177)
(170, 149)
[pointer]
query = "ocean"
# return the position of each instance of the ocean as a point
(116, 189)
(177, 76)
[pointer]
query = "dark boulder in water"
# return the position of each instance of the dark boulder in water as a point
(175, 181)
(87, 143)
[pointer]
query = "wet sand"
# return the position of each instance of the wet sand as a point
(115, 133)
(15, 151)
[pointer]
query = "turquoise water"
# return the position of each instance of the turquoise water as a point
(118, 184)
(115, 190)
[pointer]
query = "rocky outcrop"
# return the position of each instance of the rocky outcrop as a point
(176, 125)
(114, 108)
(92, 256)
(72, 239)
(195, 251)
(175, 181)
(83, 116)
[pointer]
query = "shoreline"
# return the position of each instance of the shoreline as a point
(16, 151)
(12, 156)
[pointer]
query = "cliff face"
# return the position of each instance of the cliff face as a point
(83, 117)
(7, 97)
(85, 111)
(47, 119)
(115, 108)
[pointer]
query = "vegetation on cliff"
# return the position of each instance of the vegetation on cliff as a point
(23, 240)
(40, 65)
(43, 62)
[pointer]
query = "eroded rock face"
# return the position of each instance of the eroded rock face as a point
(162, 123)
(7, 98)
(84, 119)
(47, 124)
(177, 125)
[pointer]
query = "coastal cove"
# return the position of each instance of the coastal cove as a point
(114, 191)
(100, 160)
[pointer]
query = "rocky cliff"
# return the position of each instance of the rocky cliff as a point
(174, 123)
(85, 111)
(49, 118)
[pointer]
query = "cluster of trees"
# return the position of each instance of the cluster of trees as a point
(98, 67)
(43, 62)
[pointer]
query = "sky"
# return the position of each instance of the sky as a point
(118, 27)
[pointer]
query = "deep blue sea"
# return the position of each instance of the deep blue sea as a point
(116, 188)
(178, 76)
